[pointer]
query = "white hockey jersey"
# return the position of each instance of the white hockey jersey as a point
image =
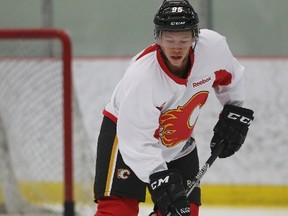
(156, 111)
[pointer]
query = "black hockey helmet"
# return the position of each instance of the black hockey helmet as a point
(176, 15)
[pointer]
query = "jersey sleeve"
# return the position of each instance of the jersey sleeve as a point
(229, 84)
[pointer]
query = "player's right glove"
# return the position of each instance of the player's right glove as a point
(232, 127)
(168, 193)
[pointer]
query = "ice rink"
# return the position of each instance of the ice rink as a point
(255, 165)
(212, 211)
(145, 210)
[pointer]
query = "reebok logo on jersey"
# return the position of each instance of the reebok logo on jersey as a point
(201, 82)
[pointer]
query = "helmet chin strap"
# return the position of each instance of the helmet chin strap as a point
(195, 43)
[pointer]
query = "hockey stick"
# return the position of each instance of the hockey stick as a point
(216, 152)
(205, 167)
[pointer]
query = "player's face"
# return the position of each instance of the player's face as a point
(176, 46)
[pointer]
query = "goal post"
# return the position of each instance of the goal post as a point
(66, 59)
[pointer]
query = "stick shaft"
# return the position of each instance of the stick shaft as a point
(205, 167)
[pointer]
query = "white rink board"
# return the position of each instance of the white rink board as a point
(262, 159)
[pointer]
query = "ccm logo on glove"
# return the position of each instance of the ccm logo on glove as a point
(231, 128)
(159, 182)
(168, 192)
(242, 119)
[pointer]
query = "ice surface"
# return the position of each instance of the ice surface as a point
(145, 210)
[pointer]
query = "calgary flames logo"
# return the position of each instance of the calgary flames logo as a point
(177, 125)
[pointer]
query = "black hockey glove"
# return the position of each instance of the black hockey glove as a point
(232, 127)
(168, 193)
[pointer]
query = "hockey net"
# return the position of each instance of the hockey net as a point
(42, 173)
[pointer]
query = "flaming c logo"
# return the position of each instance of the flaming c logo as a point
(176, 125)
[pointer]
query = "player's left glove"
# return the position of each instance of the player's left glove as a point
(232, 127)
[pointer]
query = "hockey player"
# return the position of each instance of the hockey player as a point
(146, 137)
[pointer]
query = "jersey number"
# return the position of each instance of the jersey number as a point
(177, 9)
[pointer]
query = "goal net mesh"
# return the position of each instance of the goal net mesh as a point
(31, 130)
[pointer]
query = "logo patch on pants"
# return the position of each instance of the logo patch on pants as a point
(123, 174)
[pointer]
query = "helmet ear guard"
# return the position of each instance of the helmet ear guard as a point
(176, 16)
